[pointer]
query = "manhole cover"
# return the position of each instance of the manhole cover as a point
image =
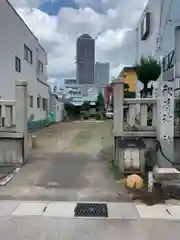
(91, 210)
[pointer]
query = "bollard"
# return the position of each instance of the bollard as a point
(33, 138)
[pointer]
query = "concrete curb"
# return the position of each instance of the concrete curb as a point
(66, 210)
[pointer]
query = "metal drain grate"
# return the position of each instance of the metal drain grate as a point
(91, 210)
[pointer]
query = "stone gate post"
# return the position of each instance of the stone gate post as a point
(165, 123)
(118, 104)
(22, 114)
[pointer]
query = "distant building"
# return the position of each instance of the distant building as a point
(78, 93)
(85, 59)
(128, 74)
(101, 74)
(70, 81)
(75, 93)
(108, 92)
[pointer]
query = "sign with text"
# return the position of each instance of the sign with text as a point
(167, 112)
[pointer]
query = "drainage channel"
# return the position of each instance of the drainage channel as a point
(91, 210)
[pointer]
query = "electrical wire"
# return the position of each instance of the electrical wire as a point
(158, 146)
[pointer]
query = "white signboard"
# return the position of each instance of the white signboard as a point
(167, 112)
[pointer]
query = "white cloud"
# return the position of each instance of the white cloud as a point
(73, 22)
(43, 25)
(109, 21)
(111, 39)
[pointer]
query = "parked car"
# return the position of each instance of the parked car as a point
(109, 113)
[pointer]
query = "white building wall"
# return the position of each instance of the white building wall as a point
(57, 107)
(80, 93)
(59, 114)
(164, 17)
(148, 47)
(14, 34)
(43, 93)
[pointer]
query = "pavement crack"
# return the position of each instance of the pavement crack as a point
(168, 212)
(119, 194)
(45, 209)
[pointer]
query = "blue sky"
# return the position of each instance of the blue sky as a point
(52, 8)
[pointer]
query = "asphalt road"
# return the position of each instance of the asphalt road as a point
(41, 228)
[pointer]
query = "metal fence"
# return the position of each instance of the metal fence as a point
(34, 126)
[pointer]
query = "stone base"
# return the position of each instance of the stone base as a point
(166, 174)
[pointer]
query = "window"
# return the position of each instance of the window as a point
(18, 64)
(28, 54)
(40, 66)
(31, 101)
(38, 102)
(145, 26)
(44, 104)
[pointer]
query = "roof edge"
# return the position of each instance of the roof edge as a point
(25, 24)
(145, 8)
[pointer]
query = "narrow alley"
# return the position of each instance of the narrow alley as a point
(70, 163)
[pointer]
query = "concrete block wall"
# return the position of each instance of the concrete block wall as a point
(14, 139)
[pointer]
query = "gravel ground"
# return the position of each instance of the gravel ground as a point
(68, 164)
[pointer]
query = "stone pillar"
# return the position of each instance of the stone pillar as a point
(165, 131)
(154, 115)
(143, 115)
(132, 115)
(22, 114)
(118, 104)
(8, 116)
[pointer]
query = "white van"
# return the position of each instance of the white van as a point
(109, 113)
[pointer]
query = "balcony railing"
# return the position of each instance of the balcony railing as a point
(140, 115)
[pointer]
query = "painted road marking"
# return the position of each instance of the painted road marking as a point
(122, 210)
(29, 208)
(174, 211)
(60, 209)
(156, 211)
(7, 207)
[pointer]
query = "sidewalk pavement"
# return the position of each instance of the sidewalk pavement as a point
(66, 210)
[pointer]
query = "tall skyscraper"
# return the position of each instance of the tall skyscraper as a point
(101, 74)
(85, 59)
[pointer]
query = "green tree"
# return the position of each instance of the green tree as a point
(126, 87)
(128, 94)
(72, 111)
(86, 106)
(149, 69)
(100, 103)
